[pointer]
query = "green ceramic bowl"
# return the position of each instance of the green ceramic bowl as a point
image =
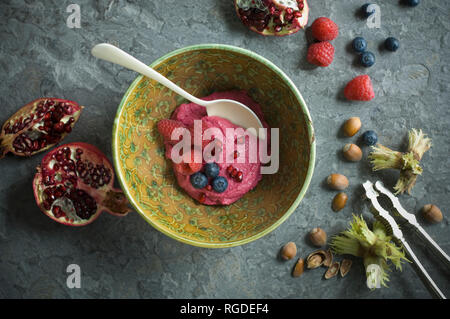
(146, 175)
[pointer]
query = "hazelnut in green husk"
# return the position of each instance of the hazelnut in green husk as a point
(408, 162)
(374, 246)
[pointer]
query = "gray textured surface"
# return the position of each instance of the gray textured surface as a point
(125, 257)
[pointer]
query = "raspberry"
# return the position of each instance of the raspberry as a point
(166, 127)
(324, 29)
(359, 89)
(188, 165)
(320, 54)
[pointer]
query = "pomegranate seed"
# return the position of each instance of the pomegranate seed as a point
(239, 176)
(278, 28)
(289, 10)
(68, 109)
(234, 172)
(202, 198)
(58, 212)
(229, 169)
(46, 204)
(208, 187)
(59, 127)
(236, 154)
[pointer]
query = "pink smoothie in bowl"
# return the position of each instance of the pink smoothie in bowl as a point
(241, 171)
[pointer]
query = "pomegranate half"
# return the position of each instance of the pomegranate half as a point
(74, 184)
(38, 126)
(273, 17)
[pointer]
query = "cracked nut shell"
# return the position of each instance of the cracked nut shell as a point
(328, 258)
(316, 259)
(332, 270)
(346, 264)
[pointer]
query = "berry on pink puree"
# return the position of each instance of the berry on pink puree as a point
(212, 182)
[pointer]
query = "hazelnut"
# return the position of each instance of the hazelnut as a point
(352, 126)
(339, 201)
(337, 181)
(298, 268)
(288, 251)
(432, 213)
(318, 237)
(352, 152)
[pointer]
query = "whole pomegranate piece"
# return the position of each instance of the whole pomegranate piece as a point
(38, 126)
(74, 184)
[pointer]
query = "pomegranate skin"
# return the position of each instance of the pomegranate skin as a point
(271, 28)
(64, 184)
(38, 126)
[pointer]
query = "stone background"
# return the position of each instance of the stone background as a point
(127, 258)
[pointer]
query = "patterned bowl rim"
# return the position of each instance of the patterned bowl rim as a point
(292, 87)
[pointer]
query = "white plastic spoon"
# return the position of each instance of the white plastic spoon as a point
(235, 112)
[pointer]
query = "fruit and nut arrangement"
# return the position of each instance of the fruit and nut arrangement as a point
(373, 245)
(319, 258)
(74, 182)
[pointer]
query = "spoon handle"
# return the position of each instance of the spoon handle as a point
(115, 55)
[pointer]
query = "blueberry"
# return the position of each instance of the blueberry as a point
(411, 3)
(212, 170)
(367, 59)
(199, 180)
(220, 184)
(366, 11)
(370, 138)
(359, 44)
(391, 44)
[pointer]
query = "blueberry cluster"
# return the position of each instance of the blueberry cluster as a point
(366, 58)
(211, 171)
(359, 44)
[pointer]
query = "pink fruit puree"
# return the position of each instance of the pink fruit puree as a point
(187, 113)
